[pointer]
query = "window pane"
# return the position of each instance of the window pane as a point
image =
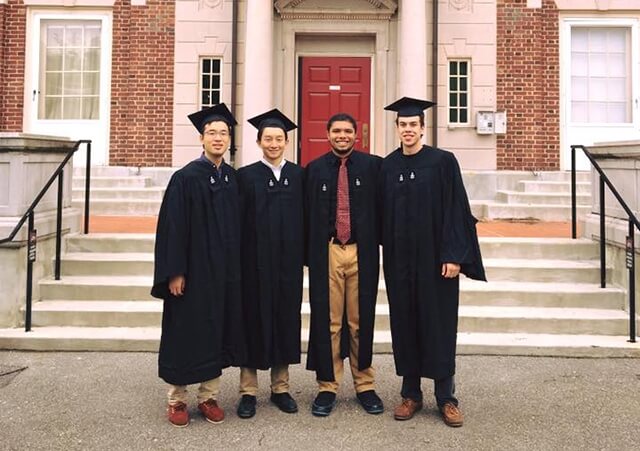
(72, 84)
(453, 84)
(206, 98)
(91, 107)
(453, 68)
(55, 36)
(53, 84)
(453, 115)
(579, 88)
(54, 60)
(579, 39)
(463, 115)
(598, 112)
(579, 64)
(91, 83)
(53, 107)
(598, 65)
(215, 82)
(463, 68)
(617, 112)
(598, 40)
(73, 36)
(215, 97)
(92, 59)
(616, 90)
(463, 84)
(71, 108)
(617, 65)
(579, 111)
(617, 40)
(72, 59)
(216, 66)
(92, 37)
(463, 100)
(206, 82)
(598, 89)
(206, 66)
(453, 100)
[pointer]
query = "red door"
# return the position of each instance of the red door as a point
(328, 86)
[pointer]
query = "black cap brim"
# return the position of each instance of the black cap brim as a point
(219, 112)
(408, 106)
(272, 118)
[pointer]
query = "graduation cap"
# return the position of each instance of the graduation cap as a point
(219, 112)
(408, 106)
(272, 118)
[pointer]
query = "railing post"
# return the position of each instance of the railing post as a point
(59, 225)
(30, 259)
(603, 255)
(574, 214)
(631, 264)
(87, 188)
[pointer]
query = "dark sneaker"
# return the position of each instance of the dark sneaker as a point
(285, 402)
(211, 411)
(407, 409)
(323, 404)
(247, 406)
(178, 415)
(451, 415)
(371, 402)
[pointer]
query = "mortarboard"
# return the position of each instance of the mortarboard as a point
(272, 118)
(408, 106)
(219, 112)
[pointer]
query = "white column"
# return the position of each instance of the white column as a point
(412, 46)
(258, 69)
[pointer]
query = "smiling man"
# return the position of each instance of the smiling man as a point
(272, 261)
(428, 238)
(197, 272)
(343, 260)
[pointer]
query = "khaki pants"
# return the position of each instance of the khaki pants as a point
(279, 380)
(207, 390)
(343, 293)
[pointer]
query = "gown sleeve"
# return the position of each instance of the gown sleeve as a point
(172, 237)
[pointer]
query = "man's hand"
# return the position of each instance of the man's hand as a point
(450, 270)
(176, 285)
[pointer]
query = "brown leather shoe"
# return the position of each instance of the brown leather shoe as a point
(451, 415)
(407, 409)
(178, 415)
(211, 411)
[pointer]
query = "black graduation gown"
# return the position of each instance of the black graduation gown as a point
(426, 221)
(272, 262)
(321, 175)
(198, 235)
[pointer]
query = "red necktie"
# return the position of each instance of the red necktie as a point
(343, 216)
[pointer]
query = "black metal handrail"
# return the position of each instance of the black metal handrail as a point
(29, 217)
(633, 223)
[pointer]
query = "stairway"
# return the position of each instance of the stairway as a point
(547, 197)
(543, 298)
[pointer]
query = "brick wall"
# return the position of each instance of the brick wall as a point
(12, 46)
(528, 85)
(142, 84)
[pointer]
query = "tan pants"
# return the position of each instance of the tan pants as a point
(208, 389)
(343, 291)
(279, 380)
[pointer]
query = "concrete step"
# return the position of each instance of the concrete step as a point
(542, 270)
(117, 288)
(538, 186)
(540, 212)
(563, 176)
(527, 198)
(121, 207)
(107, 264)
(491, 247)
(148, 193)
(111, 242)
(97, 313)
(148, 339)
(113, 182)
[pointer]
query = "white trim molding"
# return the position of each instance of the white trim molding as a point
(69, 3)
(294, 9)
(597, 5)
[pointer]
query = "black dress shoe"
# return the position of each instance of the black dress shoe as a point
(371, 402)
(247, 406)
(285, 402)
(323, 404)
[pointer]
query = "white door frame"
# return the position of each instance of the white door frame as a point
(592, 132)
(96, 130)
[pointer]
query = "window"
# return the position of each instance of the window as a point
(210, 83)
(70, 79)
(600, 75)
(459, 91)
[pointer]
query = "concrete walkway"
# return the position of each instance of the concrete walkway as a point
(114, 401)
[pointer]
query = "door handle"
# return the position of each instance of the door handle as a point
(365, 136)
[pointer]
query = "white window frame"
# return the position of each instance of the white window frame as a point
(201, 59)
(565, 78)
(468, 92)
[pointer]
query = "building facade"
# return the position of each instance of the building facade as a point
(515, 81)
